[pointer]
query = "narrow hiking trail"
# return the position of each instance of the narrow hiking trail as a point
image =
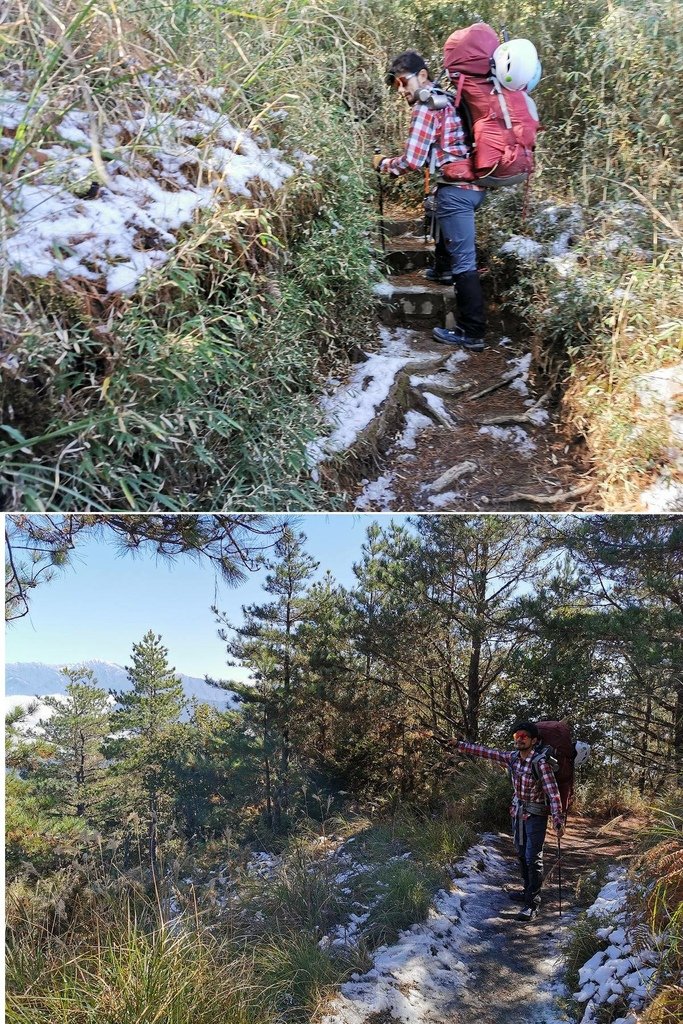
(472, 961)
(448, 429)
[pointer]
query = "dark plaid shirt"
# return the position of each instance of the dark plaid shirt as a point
(527, 788)
(425, 132)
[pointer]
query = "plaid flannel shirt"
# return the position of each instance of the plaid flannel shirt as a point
(527, 788)
(425, 132)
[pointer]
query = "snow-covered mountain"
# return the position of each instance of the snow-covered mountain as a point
(34, 678)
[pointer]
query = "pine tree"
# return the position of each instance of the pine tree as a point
(147, 722)
(74, 771)
(268, 643)
(631, 571)
(471, 570)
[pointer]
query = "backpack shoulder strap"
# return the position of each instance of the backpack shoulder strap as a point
(544, 753)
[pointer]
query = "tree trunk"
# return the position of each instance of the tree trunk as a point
(80, 778)
(642, 780)
(678, 726)
(152, 833)
(266, 761)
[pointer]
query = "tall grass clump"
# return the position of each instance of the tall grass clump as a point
(89, 954)
(297, 975)
(406, 893)
(196, 390)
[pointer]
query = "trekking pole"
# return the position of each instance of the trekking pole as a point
(380, 193)
(559, 871)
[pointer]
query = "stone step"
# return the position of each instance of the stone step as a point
(408, 300)
(393, 227)
(405, 254)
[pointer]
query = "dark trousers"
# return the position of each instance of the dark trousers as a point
(529, 837)
(455, 210)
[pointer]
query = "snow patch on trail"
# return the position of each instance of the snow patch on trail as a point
(516, 436)
(351, 408)
(377, 492)
(417, 978)
(415, 423)
(441, 500)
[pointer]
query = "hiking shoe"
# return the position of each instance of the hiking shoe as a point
(442, 277)
(527, 914)
(458, 337)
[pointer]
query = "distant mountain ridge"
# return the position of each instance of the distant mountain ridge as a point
(35, 678)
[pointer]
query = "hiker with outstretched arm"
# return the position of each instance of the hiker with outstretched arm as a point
(536, 798)
(437, 138)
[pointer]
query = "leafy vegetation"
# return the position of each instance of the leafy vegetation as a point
(196, 391)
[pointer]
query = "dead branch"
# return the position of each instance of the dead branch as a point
(545, 499)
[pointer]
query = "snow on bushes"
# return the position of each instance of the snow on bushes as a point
(108, 208)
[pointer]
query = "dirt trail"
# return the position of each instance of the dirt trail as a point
(471, 961)
(481, 414)
(510, 962)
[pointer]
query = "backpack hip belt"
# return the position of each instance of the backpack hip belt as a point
(533, 808)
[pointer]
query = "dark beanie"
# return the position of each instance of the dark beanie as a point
(409, 62)
(529, 727)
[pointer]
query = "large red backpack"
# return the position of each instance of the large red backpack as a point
(558, 737)
(503, 123)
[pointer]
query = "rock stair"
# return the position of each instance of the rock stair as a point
(455, 430)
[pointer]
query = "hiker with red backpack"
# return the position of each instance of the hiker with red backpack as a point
(494, 148)
(438, 135)
(532, 766)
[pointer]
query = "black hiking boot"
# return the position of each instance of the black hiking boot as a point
(439, 276)
(527, 914)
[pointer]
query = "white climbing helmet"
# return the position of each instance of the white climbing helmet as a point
(514, 63)
(582, 752)
(536, 77)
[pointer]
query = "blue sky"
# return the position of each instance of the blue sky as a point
(104, 602)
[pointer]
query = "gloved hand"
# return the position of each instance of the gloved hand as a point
(377, 160)
(559, 828)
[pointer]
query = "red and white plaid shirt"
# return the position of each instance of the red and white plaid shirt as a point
(425, 132)
(527, 788)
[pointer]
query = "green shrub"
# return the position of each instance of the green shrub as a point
(407, 892)
(198, 392)
(296, 974)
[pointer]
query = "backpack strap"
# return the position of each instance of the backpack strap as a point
(501, 99)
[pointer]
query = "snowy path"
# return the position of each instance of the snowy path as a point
(471, 961)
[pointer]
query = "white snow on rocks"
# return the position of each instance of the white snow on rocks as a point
(352, 407)
(437, 405)
(377, 492)
(68, 221)
(623, 971)
(525, 249)
(415, 423)
(514, 435)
